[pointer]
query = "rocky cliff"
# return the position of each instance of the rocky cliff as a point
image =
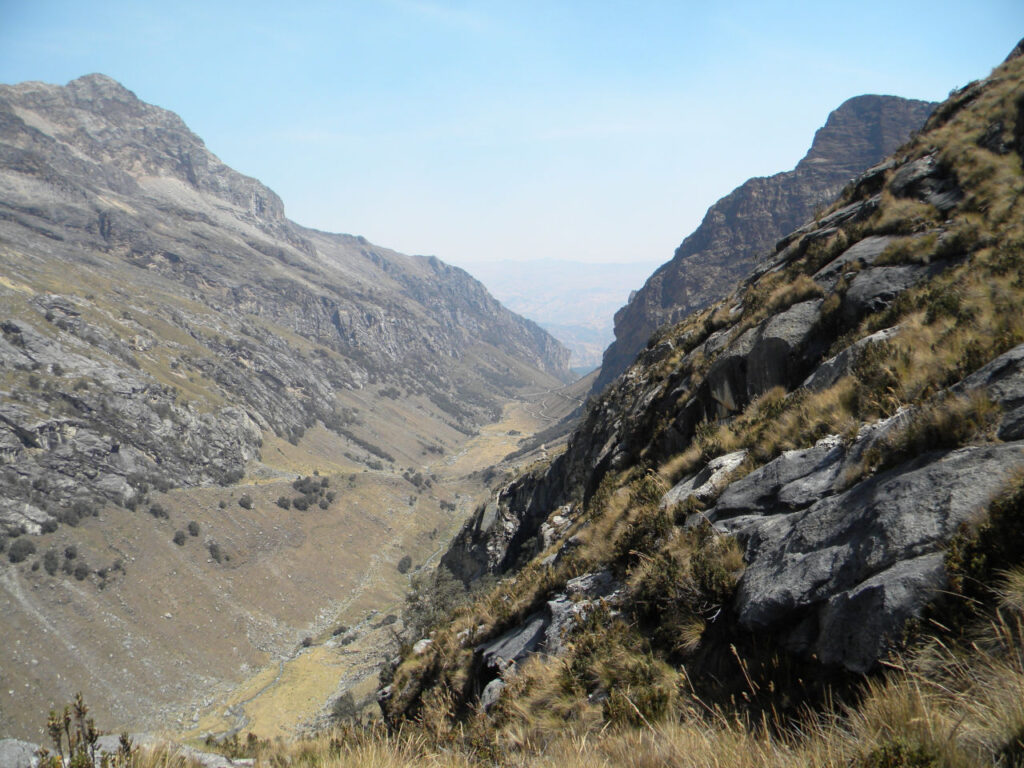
(160, 315)
(783, 483)
(743, 226)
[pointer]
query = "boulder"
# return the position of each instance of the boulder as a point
(1003, 381)
(706, 484)
(802, 561)
(859, 625)
(872, 290)
(805, 475)
(832, 370)
(514, 645)
(863, 252)
(15, 753)
(763, 357)
(491, 693)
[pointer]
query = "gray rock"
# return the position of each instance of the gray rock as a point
(832, 370)
(859, 625)
(1002, 380)
(799, 561)
(15, 753)
(872, 290)
(863, 252)
(514, 645)
(926, 180)
(763, 357)
(491, 693)
(792, 481)
(564, 615)
(706, 484)
(592, 585)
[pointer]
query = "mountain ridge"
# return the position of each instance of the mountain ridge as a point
(742, 227)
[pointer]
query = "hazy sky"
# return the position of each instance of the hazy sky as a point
(487, 130)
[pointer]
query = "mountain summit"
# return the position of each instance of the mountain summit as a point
(744, 225)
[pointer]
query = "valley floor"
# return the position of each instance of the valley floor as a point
(181, 644)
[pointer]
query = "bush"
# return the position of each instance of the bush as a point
(81, 570)
(179, 538)
(51, 561)
(404, 564)
(157, 511)
(284, 502)
(215, 552)
(245, 501)
(300, 503)
(193, 528)
(70, 552)
(21, 549)
(222, 504)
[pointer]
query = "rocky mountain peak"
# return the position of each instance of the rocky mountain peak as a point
(132, 141)
(743, 226)
(858, 129)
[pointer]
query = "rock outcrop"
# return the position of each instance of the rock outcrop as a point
(742, 227)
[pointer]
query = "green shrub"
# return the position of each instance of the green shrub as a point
(180, 538)
(157, 511)
(404, 564)
(81, 570)
(215, 551)
(193, 528)
(245, 501)
(284, 502)
(21, 549)
(900, 753)
(51, 561)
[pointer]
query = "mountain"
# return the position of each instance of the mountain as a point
(820, 469)
(220, 432)
(743, 226)
(572, 300)
(161, 313)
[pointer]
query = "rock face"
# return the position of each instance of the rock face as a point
(160, 314)
(743, 227)
(843, 536)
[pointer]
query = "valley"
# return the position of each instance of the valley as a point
(177, 626)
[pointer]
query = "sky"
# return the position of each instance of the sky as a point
(477, 131)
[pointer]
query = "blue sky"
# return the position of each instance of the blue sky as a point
(597, 131)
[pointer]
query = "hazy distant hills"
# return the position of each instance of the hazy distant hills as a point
(744, 225)
(573, 300)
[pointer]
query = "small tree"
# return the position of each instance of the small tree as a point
(284, 502)
(405, 564)
(180, 538)
(51, 561)
(193, 528)
(245, 501)
(21, 549)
